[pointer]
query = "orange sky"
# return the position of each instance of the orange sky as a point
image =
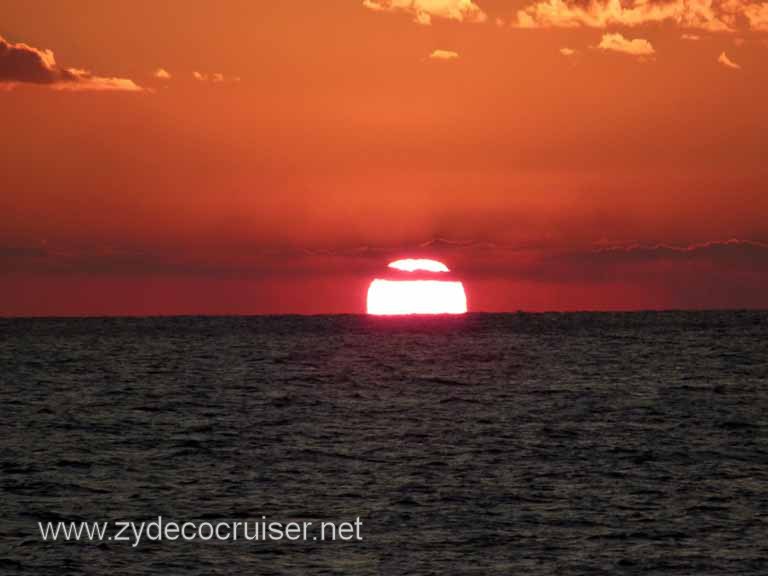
(557, 155)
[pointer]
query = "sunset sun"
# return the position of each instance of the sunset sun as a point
(418, 288)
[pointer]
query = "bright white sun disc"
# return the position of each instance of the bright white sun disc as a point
(391, 297)
(418, 264)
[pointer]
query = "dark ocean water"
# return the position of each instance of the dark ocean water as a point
(534, 444)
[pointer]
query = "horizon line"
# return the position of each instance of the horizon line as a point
(365, 314)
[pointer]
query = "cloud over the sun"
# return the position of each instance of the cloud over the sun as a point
(423, 11)
(24, 64)
(616, 42)
(734, 260)
(707, 15)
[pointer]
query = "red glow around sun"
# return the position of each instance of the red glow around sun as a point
(422, 296)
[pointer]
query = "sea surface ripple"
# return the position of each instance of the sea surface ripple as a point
(536, 444)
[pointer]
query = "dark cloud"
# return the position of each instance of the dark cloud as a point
(725, 250)
(473, 258)
(24, 64)
(721, 274)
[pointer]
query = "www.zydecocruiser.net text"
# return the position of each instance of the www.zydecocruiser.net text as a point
(159, 529)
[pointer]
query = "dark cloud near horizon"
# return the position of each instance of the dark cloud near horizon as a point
(469, 258)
